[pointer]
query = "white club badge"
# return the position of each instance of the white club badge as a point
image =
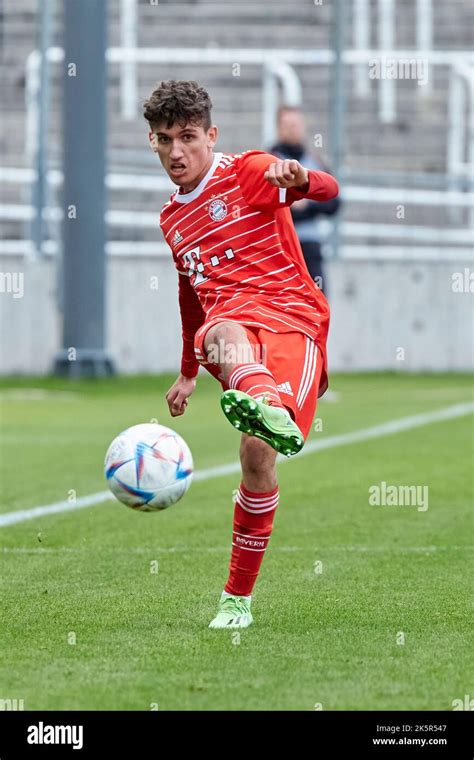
(217, 210)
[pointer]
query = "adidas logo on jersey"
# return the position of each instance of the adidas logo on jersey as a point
(286, 388)
(177, 238)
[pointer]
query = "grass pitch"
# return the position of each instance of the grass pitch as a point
(357, 606)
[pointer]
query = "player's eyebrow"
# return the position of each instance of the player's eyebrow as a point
(193, 130)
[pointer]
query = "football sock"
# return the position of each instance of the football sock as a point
(253, 523)
(257, 381)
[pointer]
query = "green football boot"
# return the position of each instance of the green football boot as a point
(233, 612)
(270, 423)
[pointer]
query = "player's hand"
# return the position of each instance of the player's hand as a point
(287, 173)
(178, 394)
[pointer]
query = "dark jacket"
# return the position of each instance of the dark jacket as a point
(305, 219)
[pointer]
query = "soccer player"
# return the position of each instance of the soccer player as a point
(250, 312)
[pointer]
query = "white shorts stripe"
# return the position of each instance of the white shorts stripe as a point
(305, 368)
(310, 376)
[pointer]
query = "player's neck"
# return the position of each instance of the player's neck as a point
(192, 185)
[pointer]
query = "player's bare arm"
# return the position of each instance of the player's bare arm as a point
(178, 394)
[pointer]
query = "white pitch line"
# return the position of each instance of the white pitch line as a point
(51, 550)
(365, 434)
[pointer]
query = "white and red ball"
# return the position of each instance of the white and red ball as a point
(148, 467)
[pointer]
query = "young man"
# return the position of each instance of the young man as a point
(251, 314)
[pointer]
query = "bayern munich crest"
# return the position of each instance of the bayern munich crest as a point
(218, 210)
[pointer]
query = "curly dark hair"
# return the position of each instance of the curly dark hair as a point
(178, 101)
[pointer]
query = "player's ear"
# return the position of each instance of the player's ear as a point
(212, 136)
(153, 141)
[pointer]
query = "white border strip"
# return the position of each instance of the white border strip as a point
(365, 434)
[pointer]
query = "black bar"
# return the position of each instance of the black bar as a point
(139, 734)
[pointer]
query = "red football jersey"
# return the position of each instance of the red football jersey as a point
(238, 256)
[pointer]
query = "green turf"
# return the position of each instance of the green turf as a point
(388, 573)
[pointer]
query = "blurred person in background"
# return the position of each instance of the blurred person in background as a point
(307, 214)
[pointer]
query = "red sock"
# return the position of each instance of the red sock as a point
(253, 523)
(257, 381)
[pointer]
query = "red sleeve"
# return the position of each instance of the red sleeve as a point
(258, 192)
(192, 317)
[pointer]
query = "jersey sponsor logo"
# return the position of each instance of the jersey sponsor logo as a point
(286, 388)
(193, 265)
(217, 210)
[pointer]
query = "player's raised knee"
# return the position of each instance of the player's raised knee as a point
(227, 332)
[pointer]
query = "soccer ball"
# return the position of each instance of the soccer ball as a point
(148, 467)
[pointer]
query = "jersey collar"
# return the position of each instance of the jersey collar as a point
(188, 197)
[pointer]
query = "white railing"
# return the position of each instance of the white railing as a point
(160, 250)
(386, 40)
(361, 15)
(278, 69)
(361, 27)
(161, 183)
(21, 212)
(276, 61)
(424, 35)
(128, 69)
(386, 31)
(460, 143)
(460, 158)
(456, 240)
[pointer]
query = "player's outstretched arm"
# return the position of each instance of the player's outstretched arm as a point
(268, 182)
(288, 173)
(178, 394)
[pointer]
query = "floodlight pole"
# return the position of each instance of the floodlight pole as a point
(84, 193)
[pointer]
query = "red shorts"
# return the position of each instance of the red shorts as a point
(294, 360)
